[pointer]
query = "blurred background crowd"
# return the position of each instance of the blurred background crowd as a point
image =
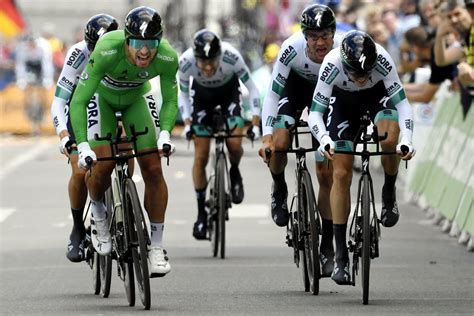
(36, 34)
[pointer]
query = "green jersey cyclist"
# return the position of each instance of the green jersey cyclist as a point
(117, 79)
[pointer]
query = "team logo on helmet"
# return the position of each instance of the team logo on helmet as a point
(143, 28)
(318, 18)
(362, 59)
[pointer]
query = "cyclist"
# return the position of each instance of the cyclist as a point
(117, 79)
(295, 74)
(34, 75)
(217, 69)
(74, 63)
(359, 76)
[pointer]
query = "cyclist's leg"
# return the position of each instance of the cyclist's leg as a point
(101, 120)
(143, 114)
(386, 119)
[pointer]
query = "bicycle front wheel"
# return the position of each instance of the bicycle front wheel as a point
(311, 232)
(222, 202)
(365, 239)
(138, 241)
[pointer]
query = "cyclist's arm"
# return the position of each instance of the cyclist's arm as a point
(85, 89)
(244, 75)
(169, 91)
(183, 99)
(65, 87)
(275, 89)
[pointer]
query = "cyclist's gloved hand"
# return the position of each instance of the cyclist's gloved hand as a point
(326, 147)
(86, 155)
(163, 139)
(254, 132)
(405, 149)
(187, 131)
(66, 145)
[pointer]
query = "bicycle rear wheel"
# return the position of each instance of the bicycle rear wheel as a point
(311, 232)
(365, 239)
(222, 202)
(96, 272)
(138, 240)
(212, 225)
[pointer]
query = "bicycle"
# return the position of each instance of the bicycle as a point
(364, 231)
(219, 194)
(128, 227)
(304, 227)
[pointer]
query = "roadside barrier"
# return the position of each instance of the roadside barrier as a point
(442, 180)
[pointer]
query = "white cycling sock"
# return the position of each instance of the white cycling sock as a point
(98, 209)
(157, 234)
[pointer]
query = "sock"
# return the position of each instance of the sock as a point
(341, 244)
(157, 234)
(98, 209)
(201, 202)
(279, 181)
(77, 219)
(390, 181)
(326, 239)
(234, 171)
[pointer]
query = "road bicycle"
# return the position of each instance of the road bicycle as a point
(364, 231)
(219, 196)
(304, 228)
(128, 227)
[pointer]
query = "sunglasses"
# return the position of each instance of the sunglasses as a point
(140, 43)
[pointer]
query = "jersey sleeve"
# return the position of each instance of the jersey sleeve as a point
(280, 73)
(328, 74)
(243, 72)
(184, 105)
(85, 89)
(169, 91)
(73, 64)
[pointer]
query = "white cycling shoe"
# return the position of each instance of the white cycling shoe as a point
(100, 236)
(158, 262)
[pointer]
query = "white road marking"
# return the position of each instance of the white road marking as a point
(29, 155)
(5, 212)
(249, 211)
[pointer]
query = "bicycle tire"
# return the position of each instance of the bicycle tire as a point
(96, 273)
(139, 242)
(128, 281)
(106, 261)
(366, 241)
(212, 227)
(301, 215)
(222, 202)
(312, 229)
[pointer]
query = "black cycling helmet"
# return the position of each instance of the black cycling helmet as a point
(358, 53)
(97, 26)
(206, 44)
(143, 23)
(317, 17)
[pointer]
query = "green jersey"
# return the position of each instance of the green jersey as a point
(120, 85)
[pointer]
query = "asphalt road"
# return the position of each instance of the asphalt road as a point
(420, 270)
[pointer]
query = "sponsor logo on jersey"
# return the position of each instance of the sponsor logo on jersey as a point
(329, 73)
(153, 111)
(143, 75)
(92, 112)
(76, 58)
(108, 52)
(278, 84)
(288, 55)
(243, 75)
(321, 98)
(230, 58)
(383, 65)
(393, 88)
(164, 57)
(409, 124)
(91, 62)
(184, 65)
(84, 76)
(66, 83)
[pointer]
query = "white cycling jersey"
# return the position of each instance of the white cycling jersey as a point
(231, 63)
(332, 75)
(74, 63)
(291, 57)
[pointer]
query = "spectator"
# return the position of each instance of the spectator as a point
(458, 19)
(421, 43)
